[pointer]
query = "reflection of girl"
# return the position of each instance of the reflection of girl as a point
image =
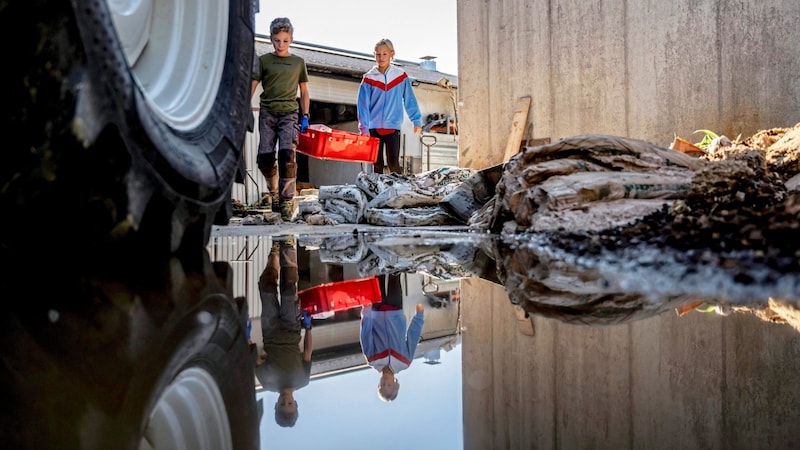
(387, 345)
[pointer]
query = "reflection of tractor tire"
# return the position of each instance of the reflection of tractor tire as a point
(167, 367)
(205, 396)
(125, 119)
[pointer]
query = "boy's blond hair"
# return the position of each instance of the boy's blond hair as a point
(281, 24)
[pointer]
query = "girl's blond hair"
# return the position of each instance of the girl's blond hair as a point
(385, 42)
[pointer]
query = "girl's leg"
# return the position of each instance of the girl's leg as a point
(378, 165)
(391, 292)
(394, 292)
(393, 152)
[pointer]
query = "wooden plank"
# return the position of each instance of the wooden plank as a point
(517, 127)
(524, 322)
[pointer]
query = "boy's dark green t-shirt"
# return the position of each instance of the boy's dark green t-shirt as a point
(283, 368)
(280, 77)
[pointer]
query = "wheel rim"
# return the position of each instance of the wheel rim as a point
(190, 414)
(176, 51)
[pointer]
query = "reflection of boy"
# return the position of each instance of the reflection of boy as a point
(387, 345)
(285, 367)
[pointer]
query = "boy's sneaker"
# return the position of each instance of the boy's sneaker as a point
(276, 204)
(265, 200)
(288, 210)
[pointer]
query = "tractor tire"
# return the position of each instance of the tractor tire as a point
(126, 120)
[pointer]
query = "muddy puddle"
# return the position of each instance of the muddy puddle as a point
(526, 344)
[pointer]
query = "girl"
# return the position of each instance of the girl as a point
(385, 92)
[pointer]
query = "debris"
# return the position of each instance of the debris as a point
(471, 195)
(684, 146)
(577, 177)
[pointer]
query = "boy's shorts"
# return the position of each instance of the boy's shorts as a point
(276, 128)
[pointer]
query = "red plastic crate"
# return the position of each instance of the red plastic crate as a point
(338, 145)
(340, 295)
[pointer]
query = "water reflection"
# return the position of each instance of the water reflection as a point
(665, 360)
(283, 365)
(523, 345)
(102, 350)
(407, 371)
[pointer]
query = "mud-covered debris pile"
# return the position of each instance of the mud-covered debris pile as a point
(588, 182)
(742, 205)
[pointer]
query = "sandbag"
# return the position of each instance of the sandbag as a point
(409, 217)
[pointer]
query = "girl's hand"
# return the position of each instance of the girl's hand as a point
(420, 307)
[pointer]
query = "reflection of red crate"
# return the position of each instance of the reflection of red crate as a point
(340, 296)
(338, 145)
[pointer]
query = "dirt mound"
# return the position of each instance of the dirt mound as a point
(737, 208)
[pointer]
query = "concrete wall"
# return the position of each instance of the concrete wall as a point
(646, 69)
(697, 381)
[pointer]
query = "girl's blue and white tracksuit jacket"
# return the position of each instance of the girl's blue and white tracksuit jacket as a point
(382, 98)
(385, 341)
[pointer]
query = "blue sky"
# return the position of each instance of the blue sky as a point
(344, 411)
(416, 27)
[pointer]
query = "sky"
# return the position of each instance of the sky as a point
(344, 411)
(417, 28)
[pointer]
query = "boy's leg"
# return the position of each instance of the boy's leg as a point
(287, 184)
(393, 152)
(268, 165)
(287, 164)
(267, 157)
(268, 288)
(289, 276)
(287, 171)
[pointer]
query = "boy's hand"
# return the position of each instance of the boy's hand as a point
(303, 124)
(306, 320)
(420, 307)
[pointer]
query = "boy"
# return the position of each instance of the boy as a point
(280, 74)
